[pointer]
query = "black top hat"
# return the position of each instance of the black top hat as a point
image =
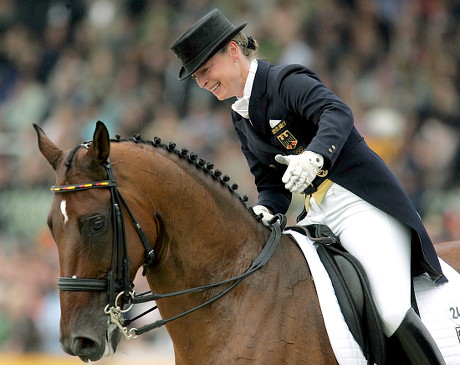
(202, 41)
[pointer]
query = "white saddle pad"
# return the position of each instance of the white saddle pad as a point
(439, 307)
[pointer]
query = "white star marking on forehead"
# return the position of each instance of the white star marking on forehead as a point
(64, 211)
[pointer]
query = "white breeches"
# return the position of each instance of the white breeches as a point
(381, 244)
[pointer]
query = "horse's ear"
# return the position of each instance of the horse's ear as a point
(47, 148)
(100, 148)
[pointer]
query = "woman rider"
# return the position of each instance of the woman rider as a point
(299, 137)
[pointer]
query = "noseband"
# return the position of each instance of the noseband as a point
(118, 283)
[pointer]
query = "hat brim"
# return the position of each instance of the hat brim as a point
(183, 73)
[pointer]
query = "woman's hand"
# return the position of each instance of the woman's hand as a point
(266, 215)
(301, 170)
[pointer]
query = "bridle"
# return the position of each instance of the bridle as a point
(118, 278)
(118, 285)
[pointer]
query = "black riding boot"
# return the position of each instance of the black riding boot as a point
(416, 342)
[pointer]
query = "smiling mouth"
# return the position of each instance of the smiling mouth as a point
(215, 87)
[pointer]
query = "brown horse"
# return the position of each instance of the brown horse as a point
(200, 232)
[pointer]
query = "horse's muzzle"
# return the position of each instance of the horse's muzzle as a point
(89, 348)
(86, 347)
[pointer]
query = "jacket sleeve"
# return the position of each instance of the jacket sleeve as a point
(272, 192)
(304, 94)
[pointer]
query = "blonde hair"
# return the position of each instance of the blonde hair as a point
(247, 45)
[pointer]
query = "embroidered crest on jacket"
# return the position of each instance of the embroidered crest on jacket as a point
(288, 140)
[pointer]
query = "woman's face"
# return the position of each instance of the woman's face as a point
(224, 73)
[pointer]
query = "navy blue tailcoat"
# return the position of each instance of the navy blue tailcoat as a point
(292, 111)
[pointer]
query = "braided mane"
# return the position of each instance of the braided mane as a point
(193, 159)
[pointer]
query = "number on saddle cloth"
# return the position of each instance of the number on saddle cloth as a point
(352, 290)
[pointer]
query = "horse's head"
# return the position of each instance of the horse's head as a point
(82, 223)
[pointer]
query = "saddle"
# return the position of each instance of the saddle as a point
(352, 290)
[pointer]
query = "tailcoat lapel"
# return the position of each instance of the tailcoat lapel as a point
(255, 143)
(257, 104)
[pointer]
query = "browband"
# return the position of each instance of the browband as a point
(86, 186)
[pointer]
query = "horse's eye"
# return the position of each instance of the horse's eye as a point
(97, 224)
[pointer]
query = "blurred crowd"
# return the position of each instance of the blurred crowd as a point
(65, 64)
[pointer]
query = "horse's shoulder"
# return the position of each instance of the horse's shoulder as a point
(450, 252)
(447, 246)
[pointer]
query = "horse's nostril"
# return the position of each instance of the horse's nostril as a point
(87, 348)
(83, 343)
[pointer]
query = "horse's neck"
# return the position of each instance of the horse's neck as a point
(204, 235)
(208, 231)
(202, 230)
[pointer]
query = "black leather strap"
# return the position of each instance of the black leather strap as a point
(66, 283)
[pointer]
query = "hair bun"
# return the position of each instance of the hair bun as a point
(251, 43)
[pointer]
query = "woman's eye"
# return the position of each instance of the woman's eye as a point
(205, 70)
(97, 224)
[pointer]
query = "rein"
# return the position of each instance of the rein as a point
(118, 284)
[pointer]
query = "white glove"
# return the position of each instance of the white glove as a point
(301, 170)
(266, 215)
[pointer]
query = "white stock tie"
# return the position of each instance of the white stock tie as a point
(241, 106)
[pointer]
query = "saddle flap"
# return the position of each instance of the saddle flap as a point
(349, 292)
(352, 291)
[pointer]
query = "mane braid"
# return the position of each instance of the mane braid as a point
(192, 158)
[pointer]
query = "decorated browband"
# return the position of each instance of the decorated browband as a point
(78, 187)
